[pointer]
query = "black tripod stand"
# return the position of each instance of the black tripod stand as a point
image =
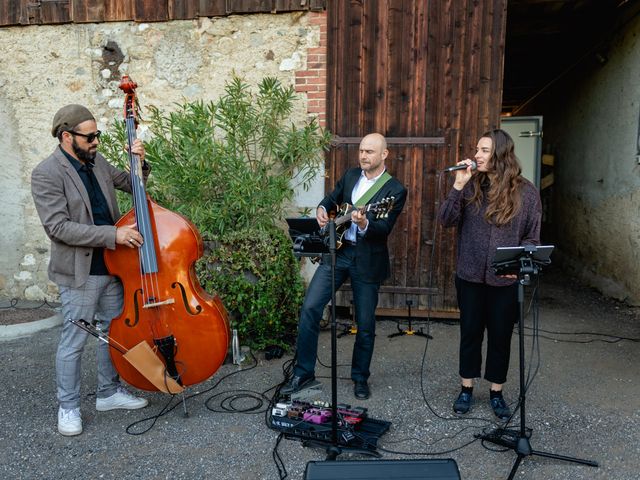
(526, 261)
(409, 330)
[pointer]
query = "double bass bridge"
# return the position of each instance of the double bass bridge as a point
(154, 304)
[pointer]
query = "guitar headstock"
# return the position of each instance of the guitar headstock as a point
(382, 208)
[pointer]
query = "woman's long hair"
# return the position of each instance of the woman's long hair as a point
(503, 197)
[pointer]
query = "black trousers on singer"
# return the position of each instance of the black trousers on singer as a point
(492, 308)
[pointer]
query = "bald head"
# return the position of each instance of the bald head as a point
(372, 154)
(375, 139)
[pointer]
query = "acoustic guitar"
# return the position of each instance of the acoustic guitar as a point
(342, 219)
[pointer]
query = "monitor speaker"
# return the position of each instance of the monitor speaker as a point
(429, 469)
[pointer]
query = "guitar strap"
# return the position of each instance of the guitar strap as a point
(375, 188)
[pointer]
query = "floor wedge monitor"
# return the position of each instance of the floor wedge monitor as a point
(429, 469)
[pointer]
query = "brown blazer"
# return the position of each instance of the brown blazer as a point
(64, 208)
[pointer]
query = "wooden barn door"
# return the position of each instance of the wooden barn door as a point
(428, 76)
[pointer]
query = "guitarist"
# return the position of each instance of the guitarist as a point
(363, 257)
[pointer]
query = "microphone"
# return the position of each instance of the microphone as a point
(474, 165)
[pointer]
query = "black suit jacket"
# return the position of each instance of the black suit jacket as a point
(372, 254)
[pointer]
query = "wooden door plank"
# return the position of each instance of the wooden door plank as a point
(13, 12)
(469, 123)
(318, 5)
(183, 9)
(498, 29)
(49, 12)
(212, 8)
(415, 211)
(400, 166)
(88, 11)
(353, 79)
(151, 11)
(251, 6)
(296, 5)
(393, 101)
(118, 10)
(418, 124)
(375, 67)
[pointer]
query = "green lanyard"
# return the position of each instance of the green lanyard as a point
(364, 199)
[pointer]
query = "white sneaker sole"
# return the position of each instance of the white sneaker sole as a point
(120, 407)
(69, 433)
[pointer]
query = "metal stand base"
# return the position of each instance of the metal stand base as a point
(522, 446)
(409, 330)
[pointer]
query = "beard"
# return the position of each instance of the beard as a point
(85, 155)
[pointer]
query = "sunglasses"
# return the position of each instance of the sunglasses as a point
(89, 136)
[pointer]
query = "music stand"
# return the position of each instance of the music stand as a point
(526, 261)
(306, 238)
(307, 242)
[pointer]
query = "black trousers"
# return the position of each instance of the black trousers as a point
(494, 309)
(365, 297)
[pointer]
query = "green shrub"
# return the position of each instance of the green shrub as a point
(255, 273)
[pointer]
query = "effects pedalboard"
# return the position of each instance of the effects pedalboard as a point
(312, 421)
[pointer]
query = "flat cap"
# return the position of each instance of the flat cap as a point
(68, 117)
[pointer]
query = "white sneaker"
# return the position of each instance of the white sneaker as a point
(121, 399)
(69, 421)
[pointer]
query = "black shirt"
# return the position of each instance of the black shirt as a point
(99, 209)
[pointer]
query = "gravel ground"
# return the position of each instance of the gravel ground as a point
(584, 402)
(14, 311)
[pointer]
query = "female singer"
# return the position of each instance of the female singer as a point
(491, 205)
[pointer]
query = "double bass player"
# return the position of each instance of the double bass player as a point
(74, 193)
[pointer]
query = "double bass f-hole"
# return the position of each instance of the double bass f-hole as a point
(183, 292)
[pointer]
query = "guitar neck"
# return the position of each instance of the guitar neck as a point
(344, 218)
(379, 209)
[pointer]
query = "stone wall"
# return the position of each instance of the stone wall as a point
(46, 67)
(591, 125)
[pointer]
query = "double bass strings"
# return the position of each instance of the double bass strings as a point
(148, 280)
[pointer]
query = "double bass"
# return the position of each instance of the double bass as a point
(183, 329)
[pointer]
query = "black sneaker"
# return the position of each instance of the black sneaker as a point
(463, 403)
(500, 408)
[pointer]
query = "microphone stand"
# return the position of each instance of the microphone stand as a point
(335, 449)
(527, 267)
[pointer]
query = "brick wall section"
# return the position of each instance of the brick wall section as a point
(313, 80)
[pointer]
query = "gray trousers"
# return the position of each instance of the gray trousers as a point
(101, 297)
